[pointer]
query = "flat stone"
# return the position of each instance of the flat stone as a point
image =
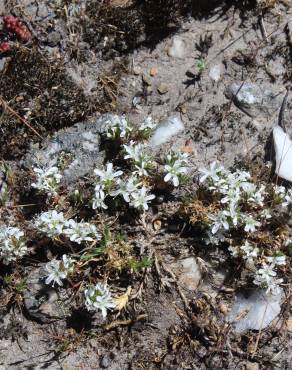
(256, 311)
(41, 301)
(187, 272)
(255, 100)
(166, 130)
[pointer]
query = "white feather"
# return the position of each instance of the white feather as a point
(283, 149)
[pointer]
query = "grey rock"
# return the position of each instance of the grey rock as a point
(188, 273)
(105, 362)
(80, 142)
(276, 67)
(53, 38)
(41, 301)
(255, 100)
(256, 311)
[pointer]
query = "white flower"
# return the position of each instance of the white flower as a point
(67, 264)
(125, 127)
(141, 169)
(249, 252)
(118, 127)
(140, 199)
(233, 213)
(256, 195)
(52, 223)
(81, 231)
(234, 251)
(142, 161)
(48, 180)
(213, 174)
(133, 151)
(231, 195)
(106, 177)
(277, 260)
(12, 244)
(99, 197)
(175, 167)
(219, 220)
(55, 274)
(280, 191)
(98, 297)
(58, 270)
(250, 224)
(266, 214)
(288, 199)
(266, 278)
(147, 124)
(126, 188)
(288, 242)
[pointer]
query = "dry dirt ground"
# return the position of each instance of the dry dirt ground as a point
(87, 58)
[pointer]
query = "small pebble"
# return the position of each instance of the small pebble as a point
(104, 362)
(153, 71)
(146, 80)
(163, 88)
(137, 70)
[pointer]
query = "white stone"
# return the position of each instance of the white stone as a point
(256, 311)
(215, 72)
(188, 273)
(166, 130)
(283, 152)
(177, 48)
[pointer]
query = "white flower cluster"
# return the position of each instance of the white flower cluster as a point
(98, 297)
(247, 251)
(142, 161)
(58, 270)
(283, 196)
(238, 194)
(266, 276)
(110, 183)
(47, 180)
(234, 189)
(120, 127)
(132, 188)
(54, 224)
(176, 167)
(12, 244)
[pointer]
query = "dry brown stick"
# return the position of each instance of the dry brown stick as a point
(6, 106)
(259, 334)
(118, 323)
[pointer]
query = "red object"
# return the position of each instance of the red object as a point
(4, 46)
(15, 26)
